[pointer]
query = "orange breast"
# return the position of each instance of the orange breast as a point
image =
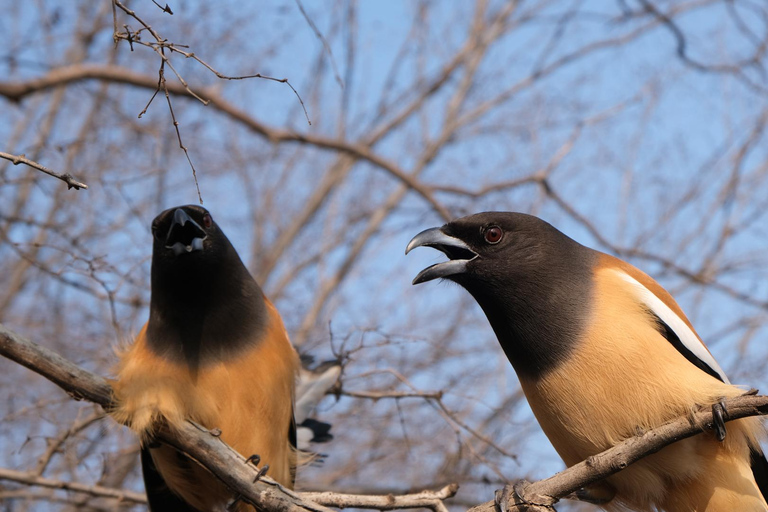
(250, 399)
(623, 377)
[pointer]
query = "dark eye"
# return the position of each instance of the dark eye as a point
(207, 220)
(493, 234)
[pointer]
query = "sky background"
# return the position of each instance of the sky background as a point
(654, 157)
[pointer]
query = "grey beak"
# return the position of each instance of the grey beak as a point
(180, 217)
(456, 249)
(185, 235)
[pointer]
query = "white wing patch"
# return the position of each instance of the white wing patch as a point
(311, 388)
(669, 317)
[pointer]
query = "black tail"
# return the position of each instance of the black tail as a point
(160, 498)
(320, 431)
(759, 470)
(312, 386)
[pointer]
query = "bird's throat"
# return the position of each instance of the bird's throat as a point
(205, 321)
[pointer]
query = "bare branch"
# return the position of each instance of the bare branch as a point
(432, 500)
(626, 453)
(322, 40)
(736, 69)
(66, 177)
(161, 44)
(117, 74)
(379, 395)
(200, 444)
(29, 478)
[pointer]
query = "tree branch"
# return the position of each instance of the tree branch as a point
(66, 177)
(206, 448)
(202, 445)
(618, 457)
(15, 91)
(98, 491)
(426, 499)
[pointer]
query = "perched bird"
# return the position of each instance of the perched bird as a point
(313, 383)
(602, 352)
(215, 352)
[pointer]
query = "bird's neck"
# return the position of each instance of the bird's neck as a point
(202, 317)
(538, 321)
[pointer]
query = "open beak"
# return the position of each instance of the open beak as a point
(458, 252)
(185, 235)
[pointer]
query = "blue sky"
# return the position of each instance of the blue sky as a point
(648, 170)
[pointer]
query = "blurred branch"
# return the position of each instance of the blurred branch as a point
(323, 40)
(541, 495)
(432, 500)
(202, 445)
(695, 277)
(161, 44)
(54, 445)
(15, 91)
(736, 69)
(378, 395)
(66, 177)
(30, 478)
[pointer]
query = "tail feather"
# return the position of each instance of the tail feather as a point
(760, 470)
(159, 495)
(319, 431)
(312, 386)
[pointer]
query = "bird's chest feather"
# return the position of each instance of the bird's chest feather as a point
(621, 378)
(249, 398)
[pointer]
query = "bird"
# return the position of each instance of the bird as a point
(313, 383)
(603, 352)
(214, 351)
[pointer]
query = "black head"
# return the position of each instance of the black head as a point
(495, 247)
(205, 305)
(187, 235)
(532, 281)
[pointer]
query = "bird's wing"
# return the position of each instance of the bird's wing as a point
(673, 324)
(759, 470)
(312, 387)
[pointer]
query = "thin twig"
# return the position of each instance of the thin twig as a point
(66, 177)
(322, 40)
(164, 9)
(162, 44)
(426, 499)
(203, 445)
(98, 491)
(178, 132)
(378, 395)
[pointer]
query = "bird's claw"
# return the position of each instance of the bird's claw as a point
(255, 459)
(501, 497)
(719, 413)
(262, 471)
(517, 494)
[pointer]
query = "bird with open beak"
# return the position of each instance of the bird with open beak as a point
(602, 351)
